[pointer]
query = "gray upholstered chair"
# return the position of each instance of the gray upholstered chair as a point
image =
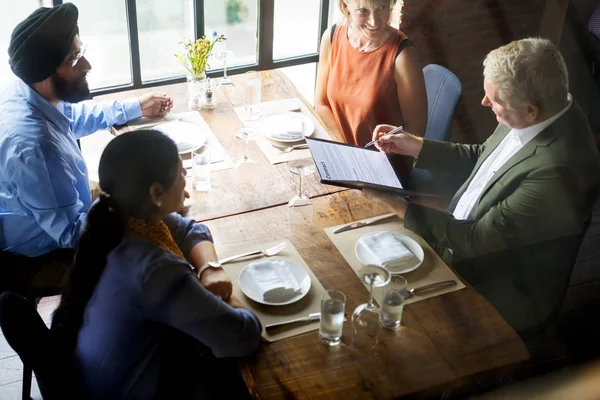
(443, 93)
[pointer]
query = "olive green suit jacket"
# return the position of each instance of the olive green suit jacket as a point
(519, 243)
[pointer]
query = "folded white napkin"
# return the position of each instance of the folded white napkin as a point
(391, 252)
(287, 127)
(275, 281)
(294, 124)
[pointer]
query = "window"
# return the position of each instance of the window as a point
(9, 18)
(131, 43)
(303, 76)
(238, 21)
(162, 25)
(296, 28)
(103, 28)
(335, 15)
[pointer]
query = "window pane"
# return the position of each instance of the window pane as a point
(335, 15)
(9, 18)
(103, 28)
(296, 28)
(303, 76)
(238, 21)
(162, 25)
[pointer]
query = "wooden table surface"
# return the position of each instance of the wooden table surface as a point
(444, 342)
(274, 184)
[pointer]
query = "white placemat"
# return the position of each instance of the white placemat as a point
(274, 155)
(432, 270)
(220, 159)
(311, 303)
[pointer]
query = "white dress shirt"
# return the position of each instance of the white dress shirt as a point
(510, 145)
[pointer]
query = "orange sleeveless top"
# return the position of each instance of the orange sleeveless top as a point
(361, 88)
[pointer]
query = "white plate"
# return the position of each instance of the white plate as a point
(366, 257)
(251, 289)
(271, 124)
(188, 137)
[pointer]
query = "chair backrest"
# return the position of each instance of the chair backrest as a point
(28, 335)
(443, 92)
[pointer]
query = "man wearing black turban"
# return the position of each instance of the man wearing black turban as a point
(44, 189)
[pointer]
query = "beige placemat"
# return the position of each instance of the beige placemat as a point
(311, 303)
(274, 155)
(432, 270)
(220, 159)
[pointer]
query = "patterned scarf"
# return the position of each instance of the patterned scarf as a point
(155, 233)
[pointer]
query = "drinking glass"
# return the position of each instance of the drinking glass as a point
(301, 168)
(201, 168)
(225, 56)
(252, 94)
(246, 134)
(392, 303)
(365, 318)
(332, 317)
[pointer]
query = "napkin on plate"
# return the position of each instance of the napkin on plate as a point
(289, 127)
(391, 252)
(275, 281)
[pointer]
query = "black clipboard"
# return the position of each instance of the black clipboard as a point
(406, 181)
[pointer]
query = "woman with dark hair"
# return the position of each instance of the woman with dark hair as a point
(136, 277)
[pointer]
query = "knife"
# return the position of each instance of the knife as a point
(311, 317)
(360, 224)
(411, 292)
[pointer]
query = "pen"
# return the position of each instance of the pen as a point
(395, 130)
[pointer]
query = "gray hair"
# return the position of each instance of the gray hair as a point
(529, 71)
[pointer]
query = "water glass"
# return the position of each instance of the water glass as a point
(201, 168)
(332, 317)
(252, 94)
(392, 303)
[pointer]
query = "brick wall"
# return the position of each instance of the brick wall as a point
(457, 34)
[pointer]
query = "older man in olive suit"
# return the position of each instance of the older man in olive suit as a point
(514, 227)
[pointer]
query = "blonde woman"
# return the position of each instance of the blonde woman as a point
(368, 74)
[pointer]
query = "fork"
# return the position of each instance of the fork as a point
(271, 251)
(287, 149)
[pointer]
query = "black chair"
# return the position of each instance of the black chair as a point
(8, 282)
(38, 347)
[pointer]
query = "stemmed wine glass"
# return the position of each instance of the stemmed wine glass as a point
(225, 56)
(246, 134)
(302, 168)
(365, 318)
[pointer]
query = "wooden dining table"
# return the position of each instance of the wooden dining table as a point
(444, 342)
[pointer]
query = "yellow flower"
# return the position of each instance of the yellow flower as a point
(196, 53)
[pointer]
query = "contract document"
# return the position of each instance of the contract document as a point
(354, 167)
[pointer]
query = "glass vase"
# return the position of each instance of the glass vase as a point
(194, 85)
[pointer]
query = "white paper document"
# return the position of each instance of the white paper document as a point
(338, 162)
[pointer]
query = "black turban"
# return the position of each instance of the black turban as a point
(40, 43)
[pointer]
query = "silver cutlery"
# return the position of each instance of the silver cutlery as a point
(395, 130)
(287, 149)
(271, 251)
(311, 317)
(411, 292)
(360, 224)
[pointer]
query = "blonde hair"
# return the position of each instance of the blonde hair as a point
(394, 16)
(529, 71)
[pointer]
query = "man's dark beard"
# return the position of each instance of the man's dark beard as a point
(71, 92)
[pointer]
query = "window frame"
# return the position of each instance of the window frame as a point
(266, 13)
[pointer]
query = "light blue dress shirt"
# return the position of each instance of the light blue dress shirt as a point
(44, 189)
